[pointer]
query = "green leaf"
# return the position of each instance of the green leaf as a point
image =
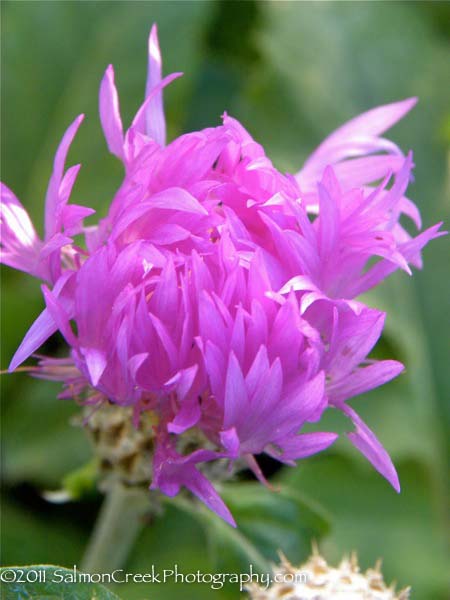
(283, 519)
(39, 443)
(267, 521)
(33, 537)
(174, 539)
(48, 582)
(81, 481)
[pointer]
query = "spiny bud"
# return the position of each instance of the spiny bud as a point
(316, 580)
(125, 449)
(124, 452)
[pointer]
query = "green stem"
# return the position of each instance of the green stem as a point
(119, 523)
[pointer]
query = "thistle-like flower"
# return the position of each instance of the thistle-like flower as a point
(218, 294)
(316, 580)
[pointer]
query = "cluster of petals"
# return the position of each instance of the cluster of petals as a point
(218, 292)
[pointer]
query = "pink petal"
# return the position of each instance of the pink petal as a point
(356, 336)
(302, 401)
(230, 441)
(155, 120)
(110, 114)
(20, 245)
(52, 198)
(139, 121)
(236, 399)
(164, 302)
(260, 366)
(362, 171)
(59, 315)
(95, 362)
(370, 123)
(67, 183)
(410, 251)
(367, 443)
(363, 380)
(303, 445)
(43, 327)
(329, 219)
(205, 491)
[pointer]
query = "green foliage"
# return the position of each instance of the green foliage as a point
(283, 519)
(81, 481)
(45, 582)
(292, 72)
(267, 521)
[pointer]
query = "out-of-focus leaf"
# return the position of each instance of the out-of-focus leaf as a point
(284, 519)
(174, 541)
(81, 481)
(39, 443)
(50, 583)
(267, 521)
(407, 410)
(28, 537)
(236, 549)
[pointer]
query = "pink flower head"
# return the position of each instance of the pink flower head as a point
(219, 293)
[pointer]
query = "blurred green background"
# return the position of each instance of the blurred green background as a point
(291, 72)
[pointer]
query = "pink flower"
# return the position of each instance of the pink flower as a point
(20, 246)
(219, 293)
